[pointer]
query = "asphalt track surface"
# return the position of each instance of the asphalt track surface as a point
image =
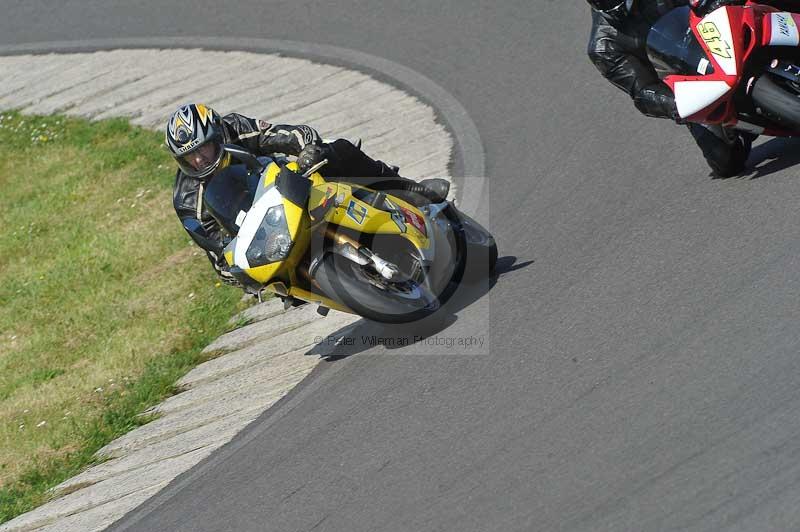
(643, 370)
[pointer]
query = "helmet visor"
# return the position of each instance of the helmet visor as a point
(201, 161)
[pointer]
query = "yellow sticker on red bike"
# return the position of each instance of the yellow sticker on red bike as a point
(715, 31)
(710, 34)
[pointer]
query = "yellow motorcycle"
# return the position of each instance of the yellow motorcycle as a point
(340, 245)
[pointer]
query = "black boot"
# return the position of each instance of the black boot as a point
(417, 194)
(725, 151)
(435, 189)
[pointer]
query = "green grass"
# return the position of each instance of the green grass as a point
(104, 302)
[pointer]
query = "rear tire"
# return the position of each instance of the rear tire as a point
(779, 104)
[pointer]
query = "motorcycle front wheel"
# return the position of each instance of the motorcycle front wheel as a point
(371, 297)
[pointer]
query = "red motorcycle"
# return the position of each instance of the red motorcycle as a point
(736, 67)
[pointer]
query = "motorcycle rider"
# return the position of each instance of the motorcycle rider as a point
(617, 48)
(195, 134)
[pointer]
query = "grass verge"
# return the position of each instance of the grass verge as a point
(104, 301)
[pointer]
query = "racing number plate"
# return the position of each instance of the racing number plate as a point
(713, 39)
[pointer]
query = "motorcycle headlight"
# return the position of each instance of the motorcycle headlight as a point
(272, 241)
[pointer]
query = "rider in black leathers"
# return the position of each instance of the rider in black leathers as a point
(195, 134)
(617, 48)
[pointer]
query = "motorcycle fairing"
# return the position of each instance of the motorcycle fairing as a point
(698, 99)
(267, 196)
(692, 97)
(715, 35)
(694, 94)
(348, 209)
(780, 29)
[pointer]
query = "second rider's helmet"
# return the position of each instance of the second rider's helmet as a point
(194, 137)
(612, 7)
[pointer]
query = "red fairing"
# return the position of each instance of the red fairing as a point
(729, 36)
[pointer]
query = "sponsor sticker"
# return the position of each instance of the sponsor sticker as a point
(356, 212)
(398, 219)
(188, 147)
(702, 68)
(329, 193)
(784, 30)
(397, 216)
(415, 220)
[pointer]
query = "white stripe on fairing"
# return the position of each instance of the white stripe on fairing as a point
(252, 221)
(784, 30)
(694, 96)
(723, 24)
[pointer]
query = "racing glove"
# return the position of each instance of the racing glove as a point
(313, 154)
(223, 270)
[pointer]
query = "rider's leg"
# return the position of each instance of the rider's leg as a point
(351, 164)
(725, 151)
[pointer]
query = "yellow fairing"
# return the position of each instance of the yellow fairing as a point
(295, 222)
(305, 295)
(262, 274)
(335, 203)
(355, 214)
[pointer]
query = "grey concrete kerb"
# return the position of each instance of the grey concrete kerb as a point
(262, 361)
(469, 161)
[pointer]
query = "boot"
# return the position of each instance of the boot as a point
(421, 194)
(435, 189)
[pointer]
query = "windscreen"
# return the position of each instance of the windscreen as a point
(230, 192)
(673, 48)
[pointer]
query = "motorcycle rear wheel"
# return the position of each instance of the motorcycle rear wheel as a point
(780, 104)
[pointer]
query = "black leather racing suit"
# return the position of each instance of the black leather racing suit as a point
(617, 47)
(262, 138)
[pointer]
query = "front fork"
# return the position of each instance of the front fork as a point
(353, 250)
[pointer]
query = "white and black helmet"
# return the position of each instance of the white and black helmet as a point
(194, 137)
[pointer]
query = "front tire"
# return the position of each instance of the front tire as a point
(346, 281)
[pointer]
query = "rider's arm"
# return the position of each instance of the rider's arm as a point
(205, 234)
(263, 138)
(608, 50)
